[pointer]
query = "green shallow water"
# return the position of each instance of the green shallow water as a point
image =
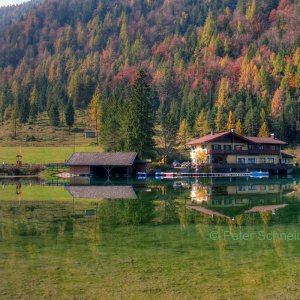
(153, 246)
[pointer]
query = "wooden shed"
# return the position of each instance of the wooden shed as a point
(99, 164)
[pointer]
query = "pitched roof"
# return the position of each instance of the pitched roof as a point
(102, 192)
(102, 159)
(255, 140)
(265, 140)
(207, 138)
(287, 155)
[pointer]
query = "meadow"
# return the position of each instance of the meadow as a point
(42, 155)
(41, 143)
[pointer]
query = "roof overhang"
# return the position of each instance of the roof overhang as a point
(211, 138)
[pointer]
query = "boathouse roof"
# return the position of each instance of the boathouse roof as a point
(125, 159)
(254, 140)
(102, 192)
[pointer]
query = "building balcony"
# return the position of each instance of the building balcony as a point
(245, 152)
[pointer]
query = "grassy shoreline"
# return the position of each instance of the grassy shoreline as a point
(42, 155)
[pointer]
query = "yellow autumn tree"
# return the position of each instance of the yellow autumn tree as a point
(223, 93)
(264, 130)
(230, 123)
(183, 134)
(239, 127)
(94, 111)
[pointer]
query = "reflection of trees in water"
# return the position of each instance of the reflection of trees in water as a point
(39, 218)
(265, 217)
(125, 212)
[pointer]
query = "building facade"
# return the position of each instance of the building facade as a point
(230, 152)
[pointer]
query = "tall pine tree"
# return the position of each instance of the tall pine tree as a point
(69, 115)
(140, 118)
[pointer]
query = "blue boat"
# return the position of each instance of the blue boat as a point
(141, 175)
(259, 174)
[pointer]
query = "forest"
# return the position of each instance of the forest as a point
(12, 13)
(206, 65)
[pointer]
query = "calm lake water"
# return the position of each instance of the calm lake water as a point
(205, 239)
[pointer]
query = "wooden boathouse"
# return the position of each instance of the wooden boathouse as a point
(99, 164)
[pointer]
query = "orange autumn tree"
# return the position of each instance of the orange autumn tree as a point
(277, 103)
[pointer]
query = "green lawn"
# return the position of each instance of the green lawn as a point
(42, 155)
(39, 194)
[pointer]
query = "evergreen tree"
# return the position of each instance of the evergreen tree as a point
(239, 112)
(208, 30)
(140, 117)
(69, 115)
(54, 115)
(167, 133)
(24, 111)
(33, 114)
(249, 123)
(111, 135)
(264, 130)
(13, 124)
(220, 119)
(201, 125)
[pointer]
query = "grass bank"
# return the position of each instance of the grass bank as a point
(42, 155)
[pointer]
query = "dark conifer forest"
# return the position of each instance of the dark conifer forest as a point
(210, 65)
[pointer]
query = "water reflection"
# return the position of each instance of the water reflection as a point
(74, 233)
(102, 192)
(162, 202)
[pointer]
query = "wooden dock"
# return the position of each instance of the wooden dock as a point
(171, 175)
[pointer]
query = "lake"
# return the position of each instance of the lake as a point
(210, 238)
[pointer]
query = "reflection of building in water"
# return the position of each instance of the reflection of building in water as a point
(264, 208)
(237, 194)
(102, 192)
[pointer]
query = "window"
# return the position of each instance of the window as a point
(203, 146)
(216, 147)
(252, 188)
(193, 148)
(270, 160)
(252, 160)
(242, 188)
(227, 147)
(273, 147)
(241, 160)
(238, 147)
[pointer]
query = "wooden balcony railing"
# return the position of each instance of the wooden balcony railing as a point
(245, 152)
(252, 166)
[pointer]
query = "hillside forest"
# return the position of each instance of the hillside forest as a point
(173, 69)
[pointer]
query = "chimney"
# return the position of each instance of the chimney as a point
(212, 132)
(232, 130)
(273, 136)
